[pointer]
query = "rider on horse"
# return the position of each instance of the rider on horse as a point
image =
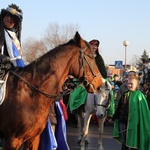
(10, 35)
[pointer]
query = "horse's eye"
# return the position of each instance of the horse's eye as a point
(85, 83)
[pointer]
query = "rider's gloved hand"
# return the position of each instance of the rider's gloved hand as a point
(4, 59)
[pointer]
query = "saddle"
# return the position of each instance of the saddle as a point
(3, 88)
(5, 66)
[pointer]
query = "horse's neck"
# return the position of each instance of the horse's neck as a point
(52, 75)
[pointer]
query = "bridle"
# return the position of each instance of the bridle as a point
(97, 104)
(103, 105)
(82, 60)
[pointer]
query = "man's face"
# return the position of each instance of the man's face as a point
(8, 21)
(94, 47)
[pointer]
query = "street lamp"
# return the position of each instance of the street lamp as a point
(125, 43)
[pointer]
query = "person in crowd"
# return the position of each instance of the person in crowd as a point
(112, 85)
(58, 117)
(115, 91)
(116, 80)
(132, 118)
(123, 88)
(98, 58)
(109, 78)
(54, 135)
(146, 92)
(10, 34)
(140, 74)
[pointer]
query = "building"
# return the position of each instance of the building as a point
(111, 70)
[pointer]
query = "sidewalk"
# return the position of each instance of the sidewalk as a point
(108, 142)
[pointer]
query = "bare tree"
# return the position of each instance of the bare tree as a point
(134, 61)
(54, 36)
(32, 49)
(138, 61)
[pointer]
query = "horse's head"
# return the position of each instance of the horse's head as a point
(103, 100)
(86, 70)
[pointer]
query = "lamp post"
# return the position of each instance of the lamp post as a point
(125, 43)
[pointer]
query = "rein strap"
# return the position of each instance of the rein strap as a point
(34, 88)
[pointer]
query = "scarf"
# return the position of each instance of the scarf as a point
(13, 51)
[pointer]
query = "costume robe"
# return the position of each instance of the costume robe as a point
(138, 125)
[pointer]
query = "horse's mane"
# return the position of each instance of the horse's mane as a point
(55, 51)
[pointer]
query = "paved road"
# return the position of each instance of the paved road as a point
(108, 142)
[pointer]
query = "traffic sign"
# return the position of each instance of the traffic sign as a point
(118, 64)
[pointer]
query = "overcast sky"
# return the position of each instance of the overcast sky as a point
(109, 21)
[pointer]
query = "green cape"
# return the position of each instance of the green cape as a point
(138, 127)
(79, 95)
(77, 98)
(111, 108)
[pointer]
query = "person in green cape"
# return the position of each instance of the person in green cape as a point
(79, 95)
(132, 118)
(102, 69)
(98, 58)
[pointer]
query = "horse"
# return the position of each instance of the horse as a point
(95, 104)
(31, 90)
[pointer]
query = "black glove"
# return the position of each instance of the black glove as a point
(4, 59)
(5, 62)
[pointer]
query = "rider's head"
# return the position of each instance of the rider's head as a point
(94, 44)
(12, 15)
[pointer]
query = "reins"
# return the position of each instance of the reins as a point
(45, 94)
(33, 87)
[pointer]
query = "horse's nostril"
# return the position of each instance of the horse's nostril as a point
(101, 116)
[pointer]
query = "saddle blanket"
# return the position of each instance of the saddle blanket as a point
(3, 89)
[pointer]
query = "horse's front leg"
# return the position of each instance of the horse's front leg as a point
(80, 125)
(87, 119)
(100, 131)
(12, 144)
(32, 145)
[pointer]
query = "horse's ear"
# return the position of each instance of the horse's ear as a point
(77, 36)
(79, 41)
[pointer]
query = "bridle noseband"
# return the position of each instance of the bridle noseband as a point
(102, 105)
(82, 60)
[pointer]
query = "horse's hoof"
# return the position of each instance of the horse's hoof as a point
(101, 148)
(86, 142)
(79, 141)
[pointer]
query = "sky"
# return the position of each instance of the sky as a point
(109, 21)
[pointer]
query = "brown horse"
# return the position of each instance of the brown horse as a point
(31, 90)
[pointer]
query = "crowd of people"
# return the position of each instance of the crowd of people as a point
(132, 98)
